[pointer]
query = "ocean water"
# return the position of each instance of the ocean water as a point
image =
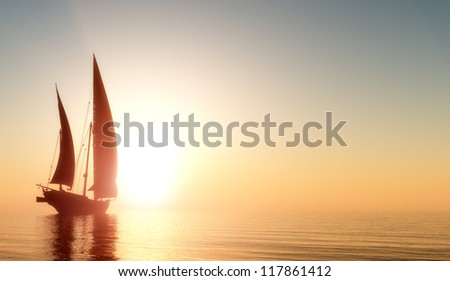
(201, 236)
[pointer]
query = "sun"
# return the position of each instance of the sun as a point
(146, 175)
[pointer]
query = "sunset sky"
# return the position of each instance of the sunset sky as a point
(384, 66)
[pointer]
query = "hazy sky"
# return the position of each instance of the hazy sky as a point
(382, 65)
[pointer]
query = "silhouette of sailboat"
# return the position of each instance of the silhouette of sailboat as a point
(104, 161)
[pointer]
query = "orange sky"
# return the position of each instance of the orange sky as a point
(384, 69)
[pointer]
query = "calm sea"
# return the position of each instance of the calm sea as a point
(197, 236)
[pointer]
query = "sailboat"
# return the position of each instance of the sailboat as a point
(104, 188)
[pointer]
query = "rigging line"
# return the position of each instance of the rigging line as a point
(82, 154)
(79, 176)
(54, 156)
(83, 137)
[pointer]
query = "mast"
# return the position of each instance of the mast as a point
(87, 160)
(105, 158)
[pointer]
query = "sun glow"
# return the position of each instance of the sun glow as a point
(146, 175)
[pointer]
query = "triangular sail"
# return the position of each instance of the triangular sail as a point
(65, 169)
(105, 158)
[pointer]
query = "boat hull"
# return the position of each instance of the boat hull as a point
(67, 203)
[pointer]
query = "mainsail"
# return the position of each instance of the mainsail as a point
(105, 158)
(65, 169)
